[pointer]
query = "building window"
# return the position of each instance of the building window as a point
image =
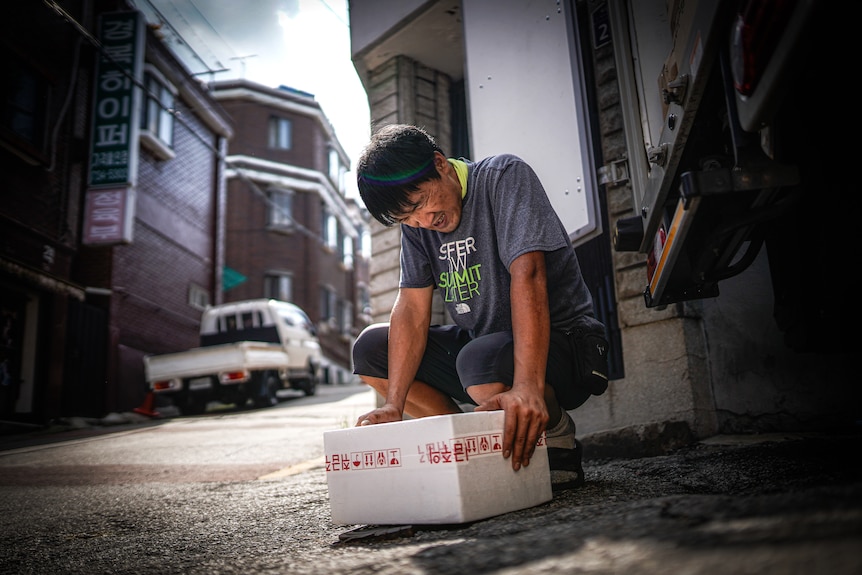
(346, 318)
(333, 165)
(25, 99)
(364, 300)
(332, 232)
(328, 305)
(365, 243)
(199, 298)
(347, 252)
(280, 133)
(157, 119)
(339, 316)
(329, 228)
(337, 170)
(280, 208)
(278, 285)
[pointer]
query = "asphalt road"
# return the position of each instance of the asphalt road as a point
(245, 492)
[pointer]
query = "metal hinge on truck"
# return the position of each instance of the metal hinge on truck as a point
(614, 173)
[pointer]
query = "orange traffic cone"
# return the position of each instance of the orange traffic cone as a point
(148, 408)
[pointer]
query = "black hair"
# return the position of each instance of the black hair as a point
(397, 160)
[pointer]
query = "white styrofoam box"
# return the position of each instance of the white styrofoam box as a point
(440, 469)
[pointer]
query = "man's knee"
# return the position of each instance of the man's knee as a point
(484, 391)
(370, 350)
(381, 386)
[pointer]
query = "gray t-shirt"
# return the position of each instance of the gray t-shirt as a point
(506, 213)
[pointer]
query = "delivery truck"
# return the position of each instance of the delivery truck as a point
(738, 135)
(249, 350)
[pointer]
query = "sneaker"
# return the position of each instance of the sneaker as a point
(567, 471)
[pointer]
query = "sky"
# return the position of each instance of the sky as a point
(303, 44)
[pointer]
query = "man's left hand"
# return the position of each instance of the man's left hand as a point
(526, 416)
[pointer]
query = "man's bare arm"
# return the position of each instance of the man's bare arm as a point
(524, 404)
(408, 335)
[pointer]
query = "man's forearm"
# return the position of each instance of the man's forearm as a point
(530, 321)
(408, 334)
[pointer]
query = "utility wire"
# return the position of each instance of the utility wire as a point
(213, 28)
(334, 13)
(165, 22)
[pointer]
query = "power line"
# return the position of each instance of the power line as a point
(163, 21)
(334, 13)
(213, 28)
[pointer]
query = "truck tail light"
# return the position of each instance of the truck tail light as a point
(754, 35)
(233, 376)
(654, 255)
(166, 385)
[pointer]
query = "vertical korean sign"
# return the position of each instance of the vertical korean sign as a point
(110, 205)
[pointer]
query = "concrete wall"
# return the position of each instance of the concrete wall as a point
(403, 91)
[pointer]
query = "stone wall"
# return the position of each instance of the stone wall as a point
(403, 91)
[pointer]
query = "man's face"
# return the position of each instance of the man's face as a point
(437, 203)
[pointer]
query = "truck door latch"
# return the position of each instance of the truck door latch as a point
(658, 154)
(675, 90)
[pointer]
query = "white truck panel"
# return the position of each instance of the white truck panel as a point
(250, 355)
(520, 56)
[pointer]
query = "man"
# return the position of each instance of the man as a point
(524, 340)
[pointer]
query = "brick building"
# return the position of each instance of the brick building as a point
(104, 124)
(291, 233)
(81, 301)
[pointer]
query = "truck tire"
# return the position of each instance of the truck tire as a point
(265, 387)
(309, 385)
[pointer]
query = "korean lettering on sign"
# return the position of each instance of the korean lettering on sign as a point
(116, 106)
(108, 216)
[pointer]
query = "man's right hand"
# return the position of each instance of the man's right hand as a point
(385, 414)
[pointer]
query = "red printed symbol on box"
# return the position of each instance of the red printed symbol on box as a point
(456, 450)
(460, 449)
(439, 452)
(470, 445)
(337, 462)
(378, 459)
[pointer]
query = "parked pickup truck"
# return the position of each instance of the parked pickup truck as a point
(248, 351)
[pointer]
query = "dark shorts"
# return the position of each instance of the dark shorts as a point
(454, 361)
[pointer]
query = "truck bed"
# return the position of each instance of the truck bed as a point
(210, 360)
